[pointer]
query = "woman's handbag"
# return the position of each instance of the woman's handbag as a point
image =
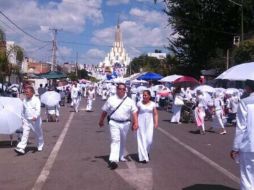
(178, 101)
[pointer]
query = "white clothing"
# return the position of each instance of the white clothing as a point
(75, 96)
(217, 120)
(176, 109)
(32, 109)
(75, 91)
(53, 110)
(233, 104)
(246, 160)
(244, 141)
(124, 112)
(104, 94)
(90, 98)
(118, 129)
(145, 130)
(176, 113)
(118, 133)
(244, 135)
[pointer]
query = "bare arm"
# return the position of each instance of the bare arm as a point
(155, 117)
(135, 121)
(102, 117)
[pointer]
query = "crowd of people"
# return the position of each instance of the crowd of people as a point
(126, 107)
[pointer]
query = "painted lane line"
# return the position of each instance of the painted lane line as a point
(202, 157)
(138, 178)
(52, 157)
(130, 164)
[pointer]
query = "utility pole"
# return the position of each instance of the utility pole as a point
(77, 64)
(241, 6)
(54, 48)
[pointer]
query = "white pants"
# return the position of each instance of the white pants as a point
(247, 170)
(36, 127)
(176, 113)
(145, 140)
(76, 102)
(118, 132)
(89, 104)
(217, 120)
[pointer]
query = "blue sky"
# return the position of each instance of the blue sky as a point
(86, 27)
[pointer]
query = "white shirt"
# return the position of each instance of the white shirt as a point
(124, 111)
(244, 135)
(32, 108)
(74, 91)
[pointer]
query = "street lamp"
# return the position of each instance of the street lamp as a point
(240, 5)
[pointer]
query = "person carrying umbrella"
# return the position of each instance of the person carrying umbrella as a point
(31, 120)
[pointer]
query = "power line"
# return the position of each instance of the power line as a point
(22, 29)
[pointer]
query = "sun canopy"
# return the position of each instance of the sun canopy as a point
(150, 76)
(53, 75)
(170, 78)
(240, 72)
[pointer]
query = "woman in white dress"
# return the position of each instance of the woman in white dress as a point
(177, 106)
(147, 120)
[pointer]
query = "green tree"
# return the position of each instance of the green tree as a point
(244, 53)
(203, 27)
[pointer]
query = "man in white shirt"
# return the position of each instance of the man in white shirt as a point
(75, 95)
(31, 120)
(119, 123)
(243, 146)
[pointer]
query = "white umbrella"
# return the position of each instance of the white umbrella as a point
(140, 89)
(158, 87)
(205, 88)
(135, 81)
(239, 72)
(50, 98)
(10, 114)
(231, 91)
(170, 78)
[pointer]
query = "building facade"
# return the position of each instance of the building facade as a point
(117, 60)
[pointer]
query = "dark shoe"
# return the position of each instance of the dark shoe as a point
(20, 151)
(143, 162)
(113, 165)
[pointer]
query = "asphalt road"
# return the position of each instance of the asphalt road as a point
(76, 153)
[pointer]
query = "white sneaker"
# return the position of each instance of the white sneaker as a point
(39, 149)
(123, 160)
(19, 150)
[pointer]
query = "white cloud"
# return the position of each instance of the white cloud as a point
(145, 16)
(117, 2)
(92, 56)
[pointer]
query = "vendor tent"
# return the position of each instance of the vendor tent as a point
(53, 75)
(150, 76)
(170, 78)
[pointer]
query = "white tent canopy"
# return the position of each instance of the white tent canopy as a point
(239, 72)
(170, 78)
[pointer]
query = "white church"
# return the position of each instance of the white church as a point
(117, 60)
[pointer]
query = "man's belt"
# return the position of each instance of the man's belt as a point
(120, 121)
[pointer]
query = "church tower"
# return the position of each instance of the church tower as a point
(117, 59)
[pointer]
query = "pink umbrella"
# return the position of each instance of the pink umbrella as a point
(164, 93)
(185, 79)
